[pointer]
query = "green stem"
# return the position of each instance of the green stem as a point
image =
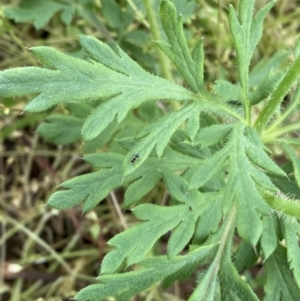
(284, 130)
(247, 109)
(155, 34)
(208, 99)
(281, 205)
(278, 96)
(140, 17)
(286, 114)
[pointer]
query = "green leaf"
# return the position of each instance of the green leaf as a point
(258, 156)
(246, 33)
(61, 129)
(291, 235)
(144, 178)
(182, 234)
(209, 221)
(209, 168)
(205, 290)
(232, 283)
(177, 186)
(112, 13)
(278, 95)
(226, 90)
(185, 7)
(212, 135)
(90, 189)
(295, 160)
(190, 67)
(157, 136)
(277, 272)
(40, 12)
(122, 80)
(192, 125)
(242, 188)
(154, 269)
(157, 221)
(245, 257)
(257, 27)
(266, 87)
(243, 153)
(268, 237)
(287, 185)
(267, 66)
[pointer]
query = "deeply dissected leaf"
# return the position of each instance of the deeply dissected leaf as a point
(215, 167)
(241, 188)
(205, 291)
(112, 12)
(279, 284)
(40, 12)
(61, 129)
(190, 67)
(144, 178)
(209, 168)
(296, 162)
(246, 33)
(243, 153)
(90, 189)
(110, 75)
(245, 256)
(154, 269)
(157, 221)
(208, 221)
(269, 237)
(212, 135)
(157, 136)
(278, 95)
(233, 284)
(292, 234)
(226, 90)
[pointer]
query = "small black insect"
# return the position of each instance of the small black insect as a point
(135, 157)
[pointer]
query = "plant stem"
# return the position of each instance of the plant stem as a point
(284, 130)
(286, 206)
(155, 34)
(284, 116)
(278, 96)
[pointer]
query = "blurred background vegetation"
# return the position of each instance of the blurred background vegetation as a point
(42, 249)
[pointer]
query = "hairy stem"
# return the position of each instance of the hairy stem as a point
(155, 34)
(267, 137)
(278, 96)
(285, 206)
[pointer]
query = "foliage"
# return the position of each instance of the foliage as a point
(210, 154)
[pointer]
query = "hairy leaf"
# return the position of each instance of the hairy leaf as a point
(190, 66)
(269, 237)
(61, 129)
(246, 33)
(158, 220)
(295, 160)
(277, 272)
(40, 12)
(90, 189)
(155, 269)
(292, 234)
(157, 136)
(232, 283)
(110, 75)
